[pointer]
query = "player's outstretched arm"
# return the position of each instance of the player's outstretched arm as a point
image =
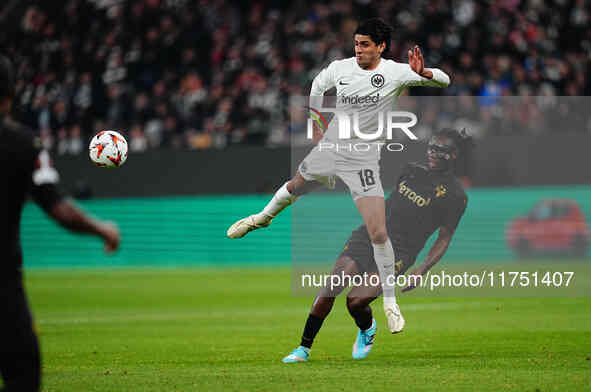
(435, 254)
(432, 77)
(45, 192)
(74, 219)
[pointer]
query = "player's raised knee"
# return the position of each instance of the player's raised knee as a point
(356, 303)
(378, 235)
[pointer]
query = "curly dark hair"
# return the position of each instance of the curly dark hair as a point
(462, 140)
(378, 30)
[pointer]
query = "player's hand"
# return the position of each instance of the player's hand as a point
(416, 61)
(412, 282)
(111, 236)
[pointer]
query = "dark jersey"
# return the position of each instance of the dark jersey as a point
(422, 202)
(25, 170)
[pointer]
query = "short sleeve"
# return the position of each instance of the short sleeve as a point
(325, 80)
(44, 181)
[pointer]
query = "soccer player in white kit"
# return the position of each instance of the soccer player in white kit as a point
(367, 85)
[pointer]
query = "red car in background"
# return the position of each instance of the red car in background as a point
(552, 227)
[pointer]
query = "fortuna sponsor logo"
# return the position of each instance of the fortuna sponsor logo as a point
(417, 199)
(358, 100)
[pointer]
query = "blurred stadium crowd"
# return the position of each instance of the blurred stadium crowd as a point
(213, 73)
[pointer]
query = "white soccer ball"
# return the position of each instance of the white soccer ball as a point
(108, 149)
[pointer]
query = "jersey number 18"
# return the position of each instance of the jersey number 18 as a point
(366, 177)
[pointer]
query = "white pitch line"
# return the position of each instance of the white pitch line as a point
(63, 318)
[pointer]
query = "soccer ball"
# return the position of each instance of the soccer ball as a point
(108, 149)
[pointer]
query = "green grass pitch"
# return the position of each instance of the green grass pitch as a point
(228, 329)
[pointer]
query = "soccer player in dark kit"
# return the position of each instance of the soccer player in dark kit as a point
(26, 170)
(426, 198)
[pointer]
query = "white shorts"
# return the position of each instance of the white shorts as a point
(360, 172)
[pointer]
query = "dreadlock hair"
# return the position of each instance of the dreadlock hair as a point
(462, 140)
(6, 78)
(378, 30)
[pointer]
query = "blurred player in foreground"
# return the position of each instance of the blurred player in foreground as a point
(367, 86)
(426, 198)
(27, 170)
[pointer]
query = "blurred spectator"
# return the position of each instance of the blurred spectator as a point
(198, 141)
(46, 138)
(63, 143)
(137, 141)
(76, 142)
(117, 111)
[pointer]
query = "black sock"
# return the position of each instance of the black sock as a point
(313, 325)
(363, 319)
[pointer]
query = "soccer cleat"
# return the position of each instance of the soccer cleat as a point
(243, 226)
(364, 341)
(395, 320)
(300, 354)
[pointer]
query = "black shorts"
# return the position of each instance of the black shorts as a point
(359, 248)
(20, 364)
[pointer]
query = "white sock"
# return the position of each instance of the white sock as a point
(280, 200)
(384, 257)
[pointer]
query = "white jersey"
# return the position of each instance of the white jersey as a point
(366, 94)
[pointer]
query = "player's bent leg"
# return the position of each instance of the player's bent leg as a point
(358, 302)
(299, 186)
(373, 212)
(316, 169)
(320, 309)
(372, 209)
(285, 196)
